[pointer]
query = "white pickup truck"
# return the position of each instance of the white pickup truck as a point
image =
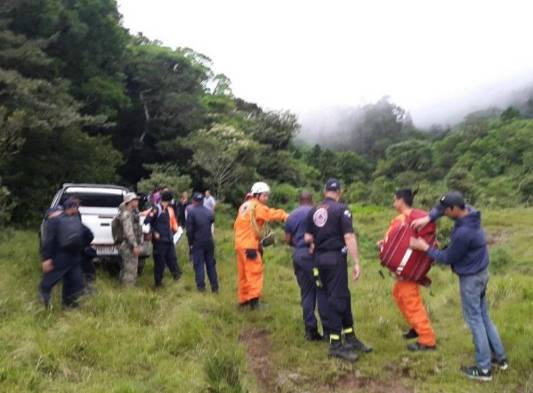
(99, 205)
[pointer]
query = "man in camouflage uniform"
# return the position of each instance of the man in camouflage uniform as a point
(132, 239)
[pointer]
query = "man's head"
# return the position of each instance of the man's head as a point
(306, 198)
(166, 198)
(332, 189)
(403, 199)
(261, 191)
(452, 204)
(207, 193)
(70, 206)
(197, 198)
(131, 200)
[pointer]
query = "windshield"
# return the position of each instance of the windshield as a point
(94, 200)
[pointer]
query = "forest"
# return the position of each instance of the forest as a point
(84, 100)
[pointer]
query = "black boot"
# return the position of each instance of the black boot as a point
(311, 334)
(351, 341)
(254, 304)
(338, 350)
(410, 334)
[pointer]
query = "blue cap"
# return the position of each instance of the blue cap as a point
(333, 185)
(198, 197)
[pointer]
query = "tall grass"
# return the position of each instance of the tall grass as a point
(178, 340)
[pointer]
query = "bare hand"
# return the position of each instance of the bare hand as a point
(137, 251)
(311, 248)
(356, 272)
(47, 266)
(420, 223)
(418, 244)
(380, 243)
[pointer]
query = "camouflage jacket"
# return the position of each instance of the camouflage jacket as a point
(131, 226)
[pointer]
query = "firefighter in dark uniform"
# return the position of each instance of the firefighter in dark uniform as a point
(330, 234)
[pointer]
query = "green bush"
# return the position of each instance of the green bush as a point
(500, 259)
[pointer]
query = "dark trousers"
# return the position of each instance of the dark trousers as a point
(88, 269)
(165, 255)
(311, 295)
(72, 278)
(204, 260)
(333, 270)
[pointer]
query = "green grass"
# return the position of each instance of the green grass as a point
(176, 340)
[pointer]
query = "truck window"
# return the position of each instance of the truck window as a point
(94, 200)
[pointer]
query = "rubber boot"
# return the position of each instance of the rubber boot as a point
(351, 341)
(338, 350)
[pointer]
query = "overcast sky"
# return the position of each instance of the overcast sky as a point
(431, 57)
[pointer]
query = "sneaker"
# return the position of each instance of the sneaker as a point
(410, 334)
(176, 277)
(502, 364)
(254, 304)
(477, 374)
(337, 350)
(420, 347)
(312, 334)
(351, 341)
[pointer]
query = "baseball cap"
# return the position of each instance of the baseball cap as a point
(198, 197)
(333, 185)
(453, 198)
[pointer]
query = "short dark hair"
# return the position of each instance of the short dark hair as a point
(407, 195)
(166, 196)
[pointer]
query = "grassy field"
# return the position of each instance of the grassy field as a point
(177, 340)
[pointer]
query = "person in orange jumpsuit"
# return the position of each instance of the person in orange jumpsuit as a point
(407, 293)
(252, 216)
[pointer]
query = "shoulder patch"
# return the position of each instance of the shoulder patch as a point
(347, 213)
(320, 217)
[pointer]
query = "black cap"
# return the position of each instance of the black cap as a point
(198, 197)
(453, 198)
(166, 196)
(333, 185)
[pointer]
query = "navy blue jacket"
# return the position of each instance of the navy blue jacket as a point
(160, 223)
(51, 249)
(199, 221)
(467, 252)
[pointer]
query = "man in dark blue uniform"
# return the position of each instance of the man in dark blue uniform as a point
(200, 236)
(163, 224)
(62, 252)
(330, 233)
(305, 270)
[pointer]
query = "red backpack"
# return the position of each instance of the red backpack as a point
(396, 255)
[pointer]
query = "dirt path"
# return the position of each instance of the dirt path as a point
(257, 344)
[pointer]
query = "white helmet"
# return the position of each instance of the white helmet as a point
(260, 187)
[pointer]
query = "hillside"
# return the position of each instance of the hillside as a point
(177, 340)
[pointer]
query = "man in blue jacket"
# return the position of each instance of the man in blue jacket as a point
(468, 256)
(164, 224)
(61, 252)
(199, 222)
(305, 270)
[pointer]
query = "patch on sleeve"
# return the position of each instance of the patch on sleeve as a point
(347, 213)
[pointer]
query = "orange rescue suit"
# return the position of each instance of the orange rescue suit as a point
(407, 296)
(247, 239)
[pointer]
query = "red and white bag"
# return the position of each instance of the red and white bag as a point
(396, 255)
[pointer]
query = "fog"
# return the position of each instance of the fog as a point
(438, 60)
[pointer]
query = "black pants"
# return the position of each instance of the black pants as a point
(204, 260)
(88, 269)
(72, 278)
(165, 254)
(333, 270)
(311, 295)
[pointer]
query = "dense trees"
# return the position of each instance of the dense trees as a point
(81, 99)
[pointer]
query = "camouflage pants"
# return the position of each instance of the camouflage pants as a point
(128, 270)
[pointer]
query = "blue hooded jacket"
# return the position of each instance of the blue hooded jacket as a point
(467, 252)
